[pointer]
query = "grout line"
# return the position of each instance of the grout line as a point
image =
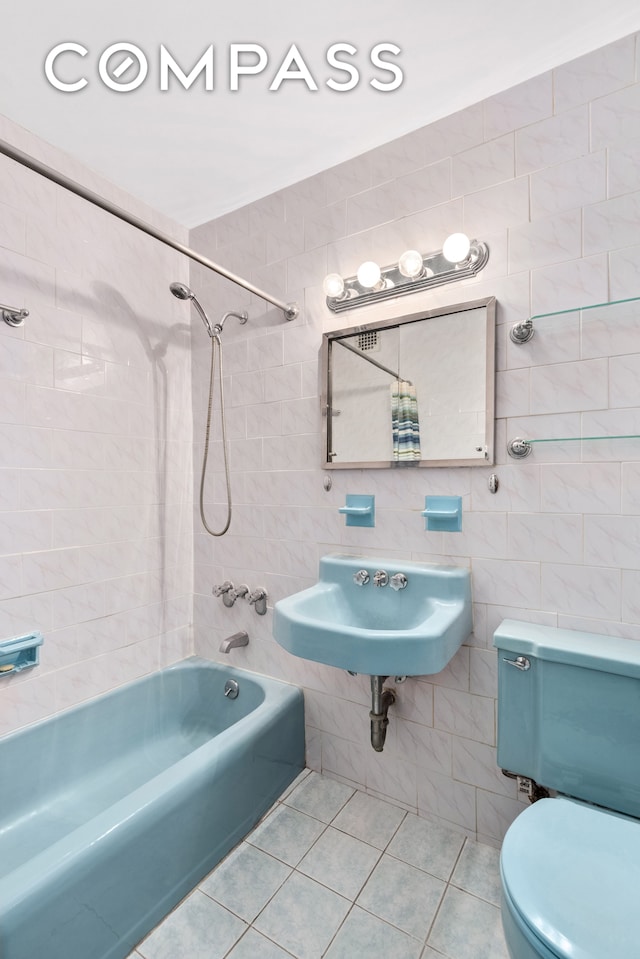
(446, 889)
(278, 945)
(335, 935)
(388, 922)
(458, 858)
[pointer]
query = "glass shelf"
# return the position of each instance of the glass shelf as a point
(519, 448)
(605, 330)
(582, 309)
(521, 333)
(585, 439)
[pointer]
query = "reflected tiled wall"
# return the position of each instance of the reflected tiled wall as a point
(95, 441)
(548, 174)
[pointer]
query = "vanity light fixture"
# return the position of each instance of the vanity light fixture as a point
(459, 259)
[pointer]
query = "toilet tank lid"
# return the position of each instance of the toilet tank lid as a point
(573, 647)
(572, 873)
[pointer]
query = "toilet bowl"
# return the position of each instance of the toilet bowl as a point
(569, 718)
(571, 883)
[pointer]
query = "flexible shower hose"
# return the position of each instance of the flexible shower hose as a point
(215, 339)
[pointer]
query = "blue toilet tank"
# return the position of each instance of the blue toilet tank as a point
(571, 720)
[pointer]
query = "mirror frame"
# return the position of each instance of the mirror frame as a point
(490, 366)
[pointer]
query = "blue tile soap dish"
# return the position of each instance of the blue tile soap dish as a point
(360, 510)
(443, 513)
(19, 653)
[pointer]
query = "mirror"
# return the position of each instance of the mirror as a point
(416, 390)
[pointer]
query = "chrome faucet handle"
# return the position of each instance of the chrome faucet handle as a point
(239, 592)
(224, 588)
(380, 578)
(398, 581)
(258, 598)
(361, 578)
(227, 591)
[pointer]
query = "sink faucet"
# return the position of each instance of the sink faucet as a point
(398, 581)
(380, 578)
(232, 642)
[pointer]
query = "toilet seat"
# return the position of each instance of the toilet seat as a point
(571, 878)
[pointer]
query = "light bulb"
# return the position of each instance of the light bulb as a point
(333, 285)
(368, 274)
(456, 247)
(410, 264)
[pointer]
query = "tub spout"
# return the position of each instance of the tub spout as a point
(231, 642)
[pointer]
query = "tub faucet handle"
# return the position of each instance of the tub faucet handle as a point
(226, 590)
(222, 589)
(258, 598)
(361, 578)
(238, 592)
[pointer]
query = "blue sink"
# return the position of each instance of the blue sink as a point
(377, 630)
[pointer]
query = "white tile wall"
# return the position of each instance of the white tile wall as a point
(95, 441)
(547, 174)
(96, 498)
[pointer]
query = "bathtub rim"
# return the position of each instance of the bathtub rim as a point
(189, 662)
(163, 789)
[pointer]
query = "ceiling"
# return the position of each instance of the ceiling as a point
(194, 154)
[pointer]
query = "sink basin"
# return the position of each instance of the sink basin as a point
(375, 629)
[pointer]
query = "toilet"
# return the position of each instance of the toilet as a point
(569, 721)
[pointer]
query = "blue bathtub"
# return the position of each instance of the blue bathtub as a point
(112, 811)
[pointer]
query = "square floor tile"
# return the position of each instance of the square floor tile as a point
(199, 928)
(341, 862)
(428, 845)
(402, 895)
(468, 928)
(303, 917)
(363, 935)
(254, 946)
(245, 881)
(478, 871)
(320, 797)
(370, 819)
(286, 834)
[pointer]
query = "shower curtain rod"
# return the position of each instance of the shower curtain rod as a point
(290, 310)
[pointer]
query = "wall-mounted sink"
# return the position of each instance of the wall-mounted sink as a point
(411, 630)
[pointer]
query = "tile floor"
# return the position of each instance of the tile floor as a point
(333, 872)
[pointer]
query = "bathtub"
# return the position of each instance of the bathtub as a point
(112, 811)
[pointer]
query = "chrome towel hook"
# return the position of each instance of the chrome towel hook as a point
(13, 315)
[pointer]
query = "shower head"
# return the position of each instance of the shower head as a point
(182, 292)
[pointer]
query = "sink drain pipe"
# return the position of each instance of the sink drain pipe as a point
(381, 699)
